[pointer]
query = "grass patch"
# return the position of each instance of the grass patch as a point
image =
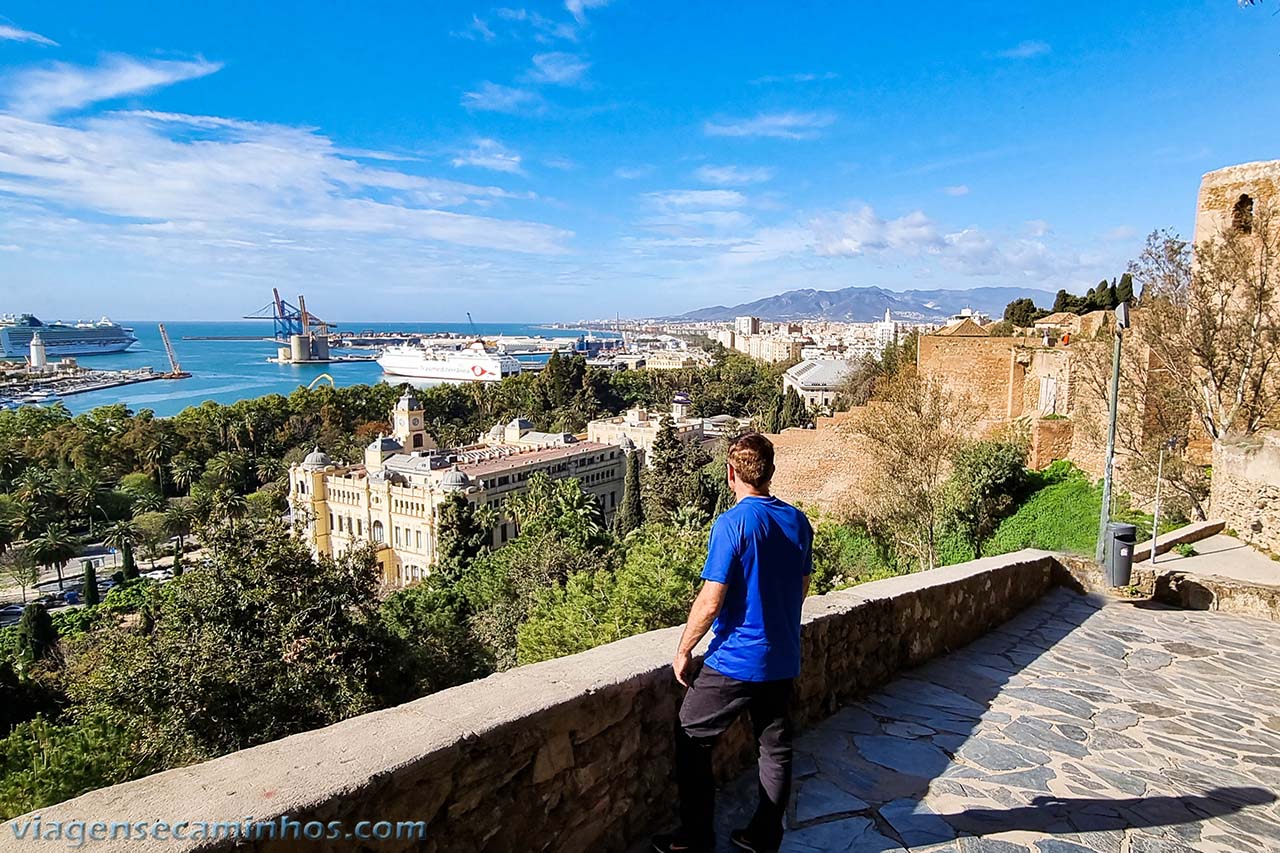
(1060, 516)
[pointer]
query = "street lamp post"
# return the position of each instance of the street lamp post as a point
(1122, 323)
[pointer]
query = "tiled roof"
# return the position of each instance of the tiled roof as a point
(532, 457)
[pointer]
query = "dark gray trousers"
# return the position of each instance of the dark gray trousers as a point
(712, 703)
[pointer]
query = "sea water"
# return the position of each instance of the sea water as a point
(225, 371)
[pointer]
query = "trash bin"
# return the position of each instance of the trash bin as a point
(1121, 538)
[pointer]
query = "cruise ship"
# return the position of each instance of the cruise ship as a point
(474, 363)
(62, 339)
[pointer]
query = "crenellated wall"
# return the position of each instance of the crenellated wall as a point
(573, 754)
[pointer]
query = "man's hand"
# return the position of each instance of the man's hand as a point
(682, 666)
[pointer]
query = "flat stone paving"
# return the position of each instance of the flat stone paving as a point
(1084, 724)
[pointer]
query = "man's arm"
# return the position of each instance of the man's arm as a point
(704, 611)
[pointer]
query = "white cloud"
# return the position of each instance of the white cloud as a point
(632, 173)
(804, 77)
(545, 30)
(1039, 228)
(476, 29)
(62, 87)
(788, 125)
(490, 154)
(733, 176)
(561, 69)
(10, 247)
(698, 198)
(1026, 50)
(8, 33)
(957, 190)
(184, 182)
(851, 234)
(578, 8)
(494, 97)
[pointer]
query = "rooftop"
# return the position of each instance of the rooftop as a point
(821, 373)
(530, 457)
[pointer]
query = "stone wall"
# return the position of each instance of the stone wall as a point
(568, 755)
(1050, 441)
(1220, 191)
(1246, 488)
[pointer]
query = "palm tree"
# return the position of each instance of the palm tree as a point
(179, 518)
(186, 472)
(148, 501)
(27, 519)
(34, 485)
(54, 548)
(11, 461)
(227, 505)
(121, 536)
(83, 497)
(156, 455)
(269, 469)
(228, 468)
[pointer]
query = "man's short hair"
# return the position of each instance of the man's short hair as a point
(751, 456)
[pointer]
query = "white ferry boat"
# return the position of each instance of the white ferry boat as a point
(61, 339)
(474, 363)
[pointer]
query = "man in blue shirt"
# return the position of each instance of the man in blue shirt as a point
(756, 578)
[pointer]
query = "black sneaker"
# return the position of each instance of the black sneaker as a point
(675, 842)
(743, 841)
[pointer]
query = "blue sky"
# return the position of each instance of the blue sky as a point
(584, 158)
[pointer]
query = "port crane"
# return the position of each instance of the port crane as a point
(175, 369)
(287, 319)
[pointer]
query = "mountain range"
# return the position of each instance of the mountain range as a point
(865, 304)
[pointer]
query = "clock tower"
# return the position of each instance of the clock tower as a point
(408, 424)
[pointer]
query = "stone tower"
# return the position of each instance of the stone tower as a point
(1230, 198)
(408, 424)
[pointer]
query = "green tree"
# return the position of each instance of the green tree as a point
(153, 532)
(794, 412)
(54, 548)
(652, 588)
(177, 562)
(89, 587)
(1023, 312)
(465, 531)
(988, 480)
(631, 512)
(121, 536)
(430, 620)
(666, 480)
(18, 567)
(265, 642)
(36, 637)
(43, 762)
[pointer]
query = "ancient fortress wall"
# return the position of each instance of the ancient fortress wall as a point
(1221, 192)
(1246, 488)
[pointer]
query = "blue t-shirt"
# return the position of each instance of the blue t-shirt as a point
(761, 549)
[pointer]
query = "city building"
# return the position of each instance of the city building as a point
(671, 360)
(818, 382)
(747, 325)
(392, 498)
(638, 428)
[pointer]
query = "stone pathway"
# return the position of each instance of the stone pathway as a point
(1224, 556)
(1080, 726)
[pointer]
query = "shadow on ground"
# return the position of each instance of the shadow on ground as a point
(1074, 727)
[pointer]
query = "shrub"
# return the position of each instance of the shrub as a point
(846, 554)
(1185, 549)
(42, 763)
(1061, 516)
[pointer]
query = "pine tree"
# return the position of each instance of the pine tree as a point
(631, 513)
(1124, 290)
(36, 636)
(793, 410)
(126, 556)
(665, 481)
(90, 590)
(464, 533)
